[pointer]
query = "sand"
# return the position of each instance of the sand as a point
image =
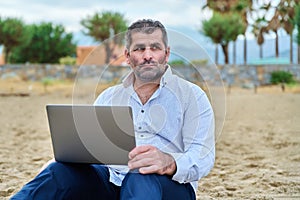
(257, 157)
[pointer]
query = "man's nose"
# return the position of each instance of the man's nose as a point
(148, 54)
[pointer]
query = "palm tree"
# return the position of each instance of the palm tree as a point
(274, 25)
(297, 24)
(13, 33)
(286, 10)
(282, 18)
(242, 7)
(259, 28)
(222, 29)
(103, 26)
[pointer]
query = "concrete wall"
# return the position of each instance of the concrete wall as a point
(255, 74)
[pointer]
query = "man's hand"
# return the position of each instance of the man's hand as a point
(148, 159)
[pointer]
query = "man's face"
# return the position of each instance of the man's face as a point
(147, 55)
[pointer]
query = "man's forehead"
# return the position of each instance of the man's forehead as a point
(147, 38)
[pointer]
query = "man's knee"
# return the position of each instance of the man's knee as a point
(138, 178)
(139, 186)
(136, 185)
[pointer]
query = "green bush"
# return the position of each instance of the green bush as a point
(199, 62)
(281, 77)
(177, 63)
(68, 60)
(46, 82)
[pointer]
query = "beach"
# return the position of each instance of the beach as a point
(257, 153)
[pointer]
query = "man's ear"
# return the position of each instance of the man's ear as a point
(127, 55)
(167, 54)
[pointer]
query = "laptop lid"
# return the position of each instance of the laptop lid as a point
(91, 134)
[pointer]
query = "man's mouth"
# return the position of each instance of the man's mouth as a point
(148, 64)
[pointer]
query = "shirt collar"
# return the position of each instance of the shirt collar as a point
(128, 80)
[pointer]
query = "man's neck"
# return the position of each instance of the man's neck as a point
(145, 90)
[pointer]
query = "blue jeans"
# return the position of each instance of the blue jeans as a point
(81, 181)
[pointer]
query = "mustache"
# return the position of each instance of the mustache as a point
(147, 62)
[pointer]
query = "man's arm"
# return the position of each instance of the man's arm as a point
(198, 137)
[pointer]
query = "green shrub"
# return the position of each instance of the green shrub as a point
(177, 63)
(199, 62)
(281, 77)
(46, 81)
(68, 60)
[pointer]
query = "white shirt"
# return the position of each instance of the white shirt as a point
(178, 119)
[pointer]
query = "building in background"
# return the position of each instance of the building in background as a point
(1, 56)
(95, 55)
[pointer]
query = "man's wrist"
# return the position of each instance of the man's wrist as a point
(172, 167)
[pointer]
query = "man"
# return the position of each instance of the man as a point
(174, 128)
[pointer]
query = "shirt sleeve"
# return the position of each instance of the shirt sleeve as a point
(198, 137)
(104, 97)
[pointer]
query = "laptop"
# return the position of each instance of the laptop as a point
(91, 134)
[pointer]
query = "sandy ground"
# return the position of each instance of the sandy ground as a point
(258, 152)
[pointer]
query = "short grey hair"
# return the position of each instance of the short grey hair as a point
(147, 26)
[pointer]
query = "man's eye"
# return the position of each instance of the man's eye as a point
(155, 48)
(139, 49)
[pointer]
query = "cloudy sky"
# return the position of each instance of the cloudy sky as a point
(172, 13)
(184, 16)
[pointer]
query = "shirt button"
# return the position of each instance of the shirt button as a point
(140, 128)
(142, 111)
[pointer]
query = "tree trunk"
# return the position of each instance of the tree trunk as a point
(225, 51)
(276, 45)
(291, 48)
(298, 54)
(245, 50)
(216, 54)
(6, 50)
(260, 51)
(107, 51)
(234, 52)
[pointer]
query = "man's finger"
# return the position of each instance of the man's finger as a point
(138, 150)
